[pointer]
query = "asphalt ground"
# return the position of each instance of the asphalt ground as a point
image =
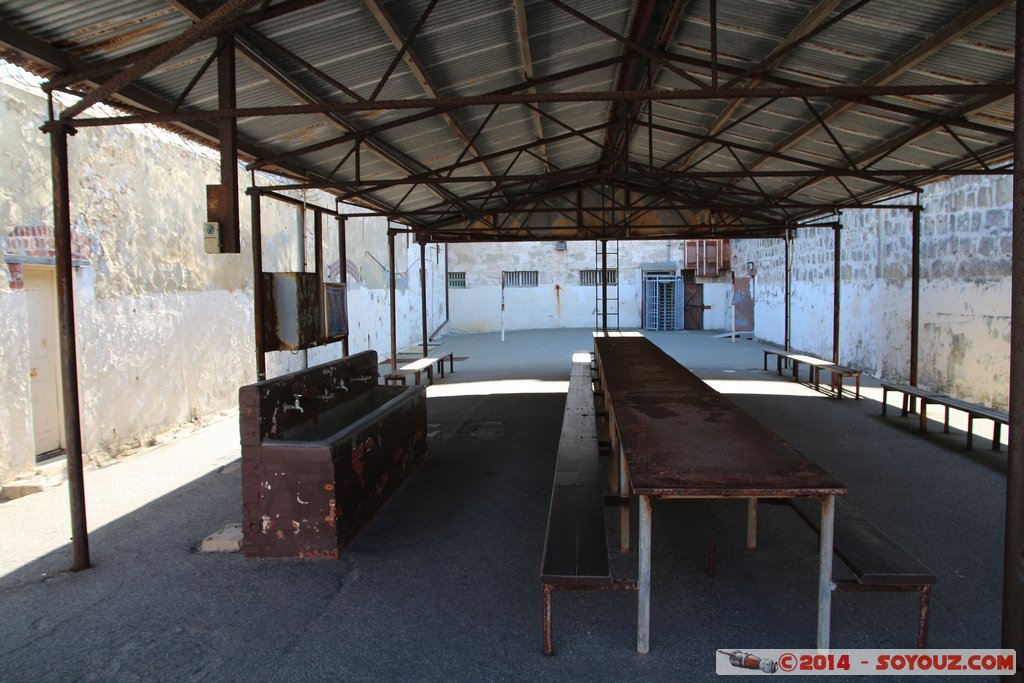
(443, 583)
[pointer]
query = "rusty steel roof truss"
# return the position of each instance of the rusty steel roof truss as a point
(559, 119)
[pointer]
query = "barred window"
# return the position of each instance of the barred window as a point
(519, 278)
(592, 278)
(457, 280)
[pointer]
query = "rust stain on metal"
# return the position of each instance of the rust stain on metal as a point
(330, 518)
(311, 480)
(658, 404)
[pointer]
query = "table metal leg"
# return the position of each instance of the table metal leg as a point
(752, 524)
(828, 506)
(643, 601)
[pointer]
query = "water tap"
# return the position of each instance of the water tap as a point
(288, 407)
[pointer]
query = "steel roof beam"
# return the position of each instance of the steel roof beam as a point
(89, 71)
(248, 47)
(209, 26)
(387, 24)
(32, 49)
(529, 86)
(523, 34)
(844, 92)
(887, 147)
(966, 22)
(806, 28)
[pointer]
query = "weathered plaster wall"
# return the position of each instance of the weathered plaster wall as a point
(964, 294)
(164, 331)
(559, 300)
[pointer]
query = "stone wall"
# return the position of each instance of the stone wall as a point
(164, 330)
(559, 300)
(964, 294)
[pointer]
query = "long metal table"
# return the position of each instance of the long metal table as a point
(676, 437)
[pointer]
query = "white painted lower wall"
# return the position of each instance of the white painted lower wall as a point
(964, 294)
(165, 331)
(559, 300)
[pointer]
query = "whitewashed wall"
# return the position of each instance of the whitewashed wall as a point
(965, 289)
(164, 331)
(560, 300)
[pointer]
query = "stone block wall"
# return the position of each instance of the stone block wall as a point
(964, 293)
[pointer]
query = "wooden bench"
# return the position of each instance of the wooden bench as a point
(877, 561)
(421, 365)
(926, 396)
(815, 366)
(837, 373)
(575, 545)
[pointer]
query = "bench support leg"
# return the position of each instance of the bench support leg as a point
(549, 646)
(970, 432)
(997, 429)
(643, 600)
(751, 524)
(922, 624)
(828, 506)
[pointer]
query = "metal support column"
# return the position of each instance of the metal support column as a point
(343, 270)
(603, 274)
(826, 538)
(257, 285)
(837, 249)
(915, 292)
(423, 295)
(391, 289)
(229, 232)
(1013, 563)
(787, 266)
(68, 348)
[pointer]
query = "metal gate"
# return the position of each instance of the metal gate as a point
(663, 302)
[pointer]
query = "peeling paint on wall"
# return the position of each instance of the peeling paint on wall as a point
(964, 295)
(165, 331)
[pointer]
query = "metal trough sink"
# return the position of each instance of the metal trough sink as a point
(322, 449)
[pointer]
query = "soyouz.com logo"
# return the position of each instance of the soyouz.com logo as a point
(761, 662)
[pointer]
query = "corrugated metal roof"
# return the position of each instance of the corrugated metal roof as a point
(466, 48)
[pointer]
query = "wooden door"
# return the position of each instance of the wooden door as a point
(693, 306)
(41, 290)
(744, 304)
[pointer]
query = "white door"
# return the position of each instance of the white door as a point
(44, 345)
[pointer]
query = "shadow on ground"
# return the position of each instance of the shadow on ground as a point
(443, 583)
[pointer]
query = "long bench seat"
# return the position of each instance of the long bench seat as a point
(925, 396)
(878, 563)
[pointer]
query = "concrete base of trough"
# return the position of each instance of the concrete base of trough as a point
(227, 540)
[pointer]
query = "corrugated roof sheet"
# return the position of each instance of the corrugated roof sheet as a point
(469, 48)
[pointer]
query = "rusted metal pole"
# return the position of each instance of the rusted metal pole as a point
(837, 249)
(69, 351)
(604, 285)
(787, 266)
(257, 285)
(423, 295)
(1013, 564)
(447, 293)
(915, 292)
(230, 241)
(343, 270)
(391, 289)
